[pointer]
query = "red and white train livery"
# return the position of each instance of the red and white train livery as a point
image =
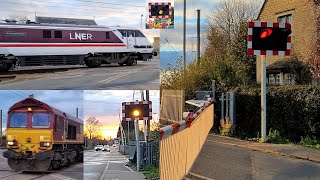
(96, 44)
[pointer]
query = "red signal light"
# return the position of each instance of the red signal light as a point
(265, 33)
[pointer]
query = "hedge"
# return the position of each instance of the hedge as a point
(292, 110)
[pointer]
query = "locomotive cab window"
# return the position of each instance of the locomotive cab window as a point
(46, 34)
(18, 120)
(138, 34)
(41, 120)
(57, 34)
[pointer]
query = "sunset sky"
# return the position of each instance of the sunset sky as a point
(105, 106)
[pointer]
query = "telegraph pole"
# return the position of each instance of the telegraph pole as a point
(184, 35)
(141, 22)
(198, 36)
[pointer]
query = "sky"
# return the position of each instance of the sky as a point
(108, 13)
(106, 104)
(65, 100)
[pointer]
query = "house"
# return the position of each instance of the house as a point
(303, 15)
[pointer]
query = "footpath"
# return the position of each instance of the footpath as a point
(233, 159)
(289, 150)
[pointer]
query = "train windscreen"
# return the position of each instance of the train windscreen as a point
(41, 120)
(18, 120)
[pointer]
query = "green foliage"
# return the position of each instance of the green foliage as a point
(275, 137)
(310, 142)
(292, 110)
(151, 172)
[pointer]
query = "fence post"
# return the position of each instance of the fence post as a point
(213, 90)
(227, 106)
(222, 105)
(232, 111)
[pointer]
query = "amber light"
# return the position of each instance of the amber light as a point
(136, 113)
(265, 33)
(29, 109)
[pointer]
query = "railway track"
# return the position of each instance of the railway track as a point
(10, 174)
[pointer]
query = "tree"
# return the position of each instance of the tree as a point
(92, 126)
(314, 60)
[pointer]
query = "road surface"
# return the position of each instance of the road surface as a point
(222, 161)
(144, 75)
(71, 173)
(100, 165)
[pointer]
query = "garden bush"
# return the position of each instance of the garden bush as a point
(294, 111)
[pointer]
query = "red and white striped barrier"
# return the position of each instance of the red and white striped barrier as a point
(172, 129)
(251, 51)
(160, 3)
(124, 104)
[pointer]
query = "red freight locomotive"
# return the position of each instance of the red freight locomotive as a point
(41, 137)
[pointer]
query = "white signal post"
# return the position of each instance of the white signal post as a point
(263, 99)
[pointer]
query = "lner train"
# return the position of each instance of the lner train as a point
(40, 137)
(50, 44)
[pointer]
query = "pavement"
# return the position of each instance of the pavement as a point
(100, 165)
(144, 75)
(233, 159)
(73, 172)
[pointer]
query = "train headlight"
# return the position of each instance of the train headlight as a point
(44, 144)
(12, 143)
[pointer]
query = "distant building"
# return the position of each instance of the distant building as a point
(57, 20)
(303, 16)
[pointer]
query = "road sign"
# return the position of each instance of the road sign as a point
(139, 110)
(160, 10)
(267, 38)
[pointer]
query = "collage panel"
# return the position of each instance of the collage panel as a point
(96, 45)
(240, 91)
(159, 89)
(116, 123)
(41, 134)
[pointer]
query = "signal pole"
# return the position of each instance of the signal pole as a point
(263, 99)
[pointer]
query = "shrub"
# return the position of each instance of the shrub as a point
(292, 110)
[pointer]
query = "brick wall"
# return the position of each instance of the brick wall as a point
(303, 25)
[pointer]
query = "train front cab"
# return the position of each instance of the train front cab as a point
(40, 138)
(29, 139)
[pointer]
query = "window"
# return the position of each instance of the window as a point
(139, 34)
(18, 120)
(277, 78)
(41, 120)
(271, 79)
(46, 34)
(129, 34)
(57, 34)
(285, 19)
(107, 35)
(289, 78)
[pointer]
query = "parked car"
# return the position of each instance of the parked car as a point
(98, 147)
(106, 148)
